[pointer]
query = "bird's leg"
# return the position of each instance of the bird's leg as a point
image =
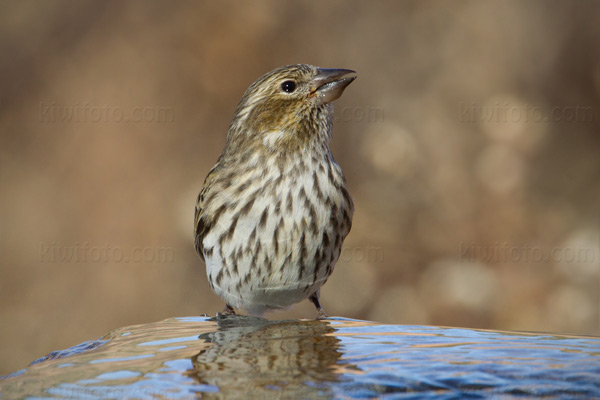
(314, 298)
(228, 310)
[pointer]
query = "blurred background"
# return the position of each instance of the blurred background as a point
(470, 142)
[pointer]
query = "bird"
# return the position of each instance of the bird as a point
(273, 212)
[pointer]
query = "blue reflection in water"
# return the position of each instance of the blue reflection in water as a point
(169, 341)
(246, 357)
(120, 359)
(461, 362)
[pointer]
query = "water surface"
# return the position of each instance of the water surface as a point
(240, 357)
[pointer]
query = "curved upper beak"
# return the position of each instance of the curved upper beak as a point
(329, 83)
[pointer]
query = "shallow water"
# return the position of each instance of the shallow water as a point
(239, 357)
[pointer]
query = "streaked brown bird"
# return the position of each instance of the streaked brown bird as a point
(274, 211)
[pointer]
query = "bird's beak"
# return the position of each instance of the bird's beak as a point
(329, 84)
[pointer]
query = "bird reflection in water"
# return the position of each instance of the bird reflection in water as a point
(257, 358)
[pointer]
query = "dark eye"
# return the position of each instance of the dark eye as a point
(288, 86)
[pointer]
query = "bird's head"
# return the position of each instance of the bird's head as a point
(288, 107)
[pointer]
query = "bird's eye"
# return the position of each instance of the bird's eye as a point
(288, 86)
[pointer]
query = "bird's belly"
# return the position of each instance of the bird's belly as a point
(279, 249)
(279, 267)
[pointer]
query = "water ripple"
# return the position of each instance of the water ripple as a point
(245, 357)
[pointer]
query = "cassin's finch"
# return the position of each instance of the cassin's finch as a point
(273, 212)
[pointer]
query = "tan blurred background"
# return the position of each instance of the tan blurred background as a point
(470, 142)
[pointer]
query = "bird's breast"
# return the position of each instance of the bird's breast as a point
(284, 223)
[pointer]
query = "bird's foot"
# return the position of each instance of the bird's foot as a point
(322, 314)
(314, 298)
(228, 310)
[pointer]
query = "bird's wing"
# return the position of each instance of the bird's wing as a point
(201, 220)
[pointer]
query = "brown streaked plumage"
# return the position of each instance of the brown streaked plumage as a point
(274, 211)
